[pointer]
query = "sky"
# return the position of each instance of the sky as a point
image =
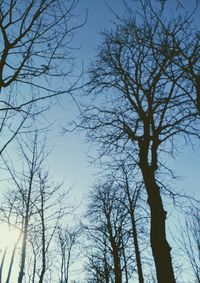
(71, 149)
(70, 154)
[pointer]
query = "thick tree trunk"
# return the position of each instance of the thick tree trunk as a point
(117, 267)
(159, 244)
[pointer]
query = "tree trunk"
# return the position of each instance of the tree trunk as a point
(67, 267)
(23, 257)
(2, 263)
(107, 272)
(43, 240)
(11, 264)
(117, 267)
(159, 244)
(125, 262)
(137, 250)
(135, 237)
(26, 224)
(34, 270)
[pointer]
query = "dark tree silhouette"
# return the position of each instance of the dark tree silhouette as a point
(143, 106)
(67, 242)
(108, 227)
(131, 202)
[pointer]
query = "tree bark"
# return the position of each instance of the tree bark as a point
(160, 247)
(117, 266)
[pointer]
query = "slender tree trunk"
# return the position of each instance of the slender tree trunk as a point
(11, 263)
(125, 263)
(135, 237)
(137, 249)
(62, 269)
(106, 271)
(23, 257)
(26, 223)
(43, 239)
(24, 241)
(2, 263)
(159, 244)
(34, 270)
(67, 267)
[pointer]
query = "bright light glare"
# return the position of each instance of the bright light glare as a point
(8, 237)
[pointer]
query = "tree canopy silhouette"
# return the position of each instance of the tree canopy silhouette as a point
(146, 100)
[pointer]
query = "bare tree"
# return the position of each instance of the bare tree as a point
(130, 203)
(67, 240)
(108, 228)
(145, 107)
(99, 266)
(33, 163)
(20, 202)
(35, 36)
(190, 240)
(34, 206)
(35, 39)
(50, 212)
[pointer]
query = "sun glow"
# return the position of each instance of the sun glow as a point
(9, 236)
